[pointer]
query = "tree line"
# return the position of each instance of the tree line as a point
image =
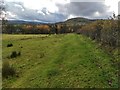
(38, 29)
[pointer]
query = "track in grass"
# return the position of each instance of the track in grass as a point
(68, 60)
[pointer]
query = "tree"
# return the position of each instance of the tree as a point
(3, 19)
(56, 30)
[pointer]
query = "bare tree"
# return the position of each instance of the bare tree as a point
(2, 15)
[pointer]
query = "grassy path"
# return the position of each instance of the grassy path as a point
(59, 61)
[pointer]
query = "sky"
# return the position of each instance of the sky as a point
(59, 10)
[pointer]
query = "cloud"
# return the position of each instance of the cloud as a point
(119, 8)
(17, 10)
(60, 12)
(86, 9)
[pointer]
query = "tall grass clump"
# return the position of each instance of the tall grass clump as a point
(7, 70)
(15, 54)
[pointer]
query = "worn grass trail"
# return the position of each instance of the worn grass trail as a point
(69, 60)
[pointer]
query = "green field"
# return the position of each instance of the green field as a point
(65, 60)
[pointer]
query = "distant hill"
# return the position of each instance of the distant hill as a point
(72, 21)
(25, 22)
(77, 21)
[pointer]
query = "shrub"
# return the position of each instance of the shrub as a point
(103, 31)
(9, 45)
(15, 54)
(7, 70)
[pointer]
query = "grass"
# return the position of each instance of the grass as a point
(58, 61)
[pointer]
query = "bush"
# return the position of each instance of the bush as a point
(15, 54)
(9, 45)
(7, 70)
(103, 31)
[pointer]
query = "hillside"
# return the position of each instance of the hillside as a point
(78, 20)
(66, 60)
(24, 22)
